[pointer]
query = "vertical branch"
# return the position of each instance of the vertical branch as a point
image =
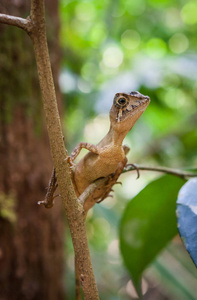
(74, 210)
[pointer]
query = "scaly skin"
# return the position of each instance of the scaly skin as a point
(108, 157)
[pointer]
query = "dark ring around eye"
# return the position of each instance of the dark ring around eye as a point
(121, 101)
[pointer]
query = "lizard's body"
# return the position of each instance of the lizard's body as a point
(108, 157)
(94, 166)
(110, 154)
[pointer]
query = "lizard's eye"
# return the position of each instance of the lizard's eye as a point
(122, 102)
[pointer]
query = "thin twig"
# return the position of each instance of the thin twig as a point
(134, 167)
(175, 172)
(24, 24)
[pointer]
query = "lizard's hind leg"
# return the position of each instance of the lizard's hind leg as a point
(107, 188)
(48, 201)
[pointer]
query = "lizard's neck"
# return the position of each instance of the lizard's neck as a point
(118, 130)
(113, 137)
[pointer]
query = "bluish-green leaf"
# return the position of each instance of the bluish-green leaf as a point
(148, 224)
(187, 217)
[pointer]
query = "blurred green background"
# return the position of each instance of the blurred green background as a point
(123, 46)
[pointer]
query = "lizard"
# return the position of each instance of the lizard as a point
(108, 158)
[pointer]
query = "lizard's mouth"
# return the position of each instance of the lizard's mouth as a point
(142, 102)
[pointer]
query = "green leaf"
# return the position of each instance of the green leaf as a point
(148, 224)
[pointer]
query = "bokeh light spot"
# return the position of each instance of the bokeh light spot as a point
(189, 13)
(130, 39)
(178, 43)
(84, 86)
(174, 98)
(112, 57)
(173, 18)
(67, 82)
(156, 48)
(98, 33)
(85, 11)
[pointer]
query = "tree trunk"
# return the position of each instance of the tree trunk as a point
(31, 237)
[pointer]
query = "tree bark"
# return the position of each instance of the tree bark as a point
(31, 246)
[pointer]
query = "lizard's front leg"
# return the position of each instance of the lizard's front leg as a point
(88, 146)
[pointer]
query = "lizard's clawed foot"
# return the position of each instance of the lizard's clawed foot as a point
(99, 201)
(48, 203)
(118, 182)
(70, 162)
(135, 168)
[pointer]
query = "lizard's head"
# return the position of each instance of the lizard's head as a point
(126, 109)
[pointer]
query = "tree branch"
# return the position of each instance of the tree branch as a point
(24, 24)
(179, 173)
(74, 210)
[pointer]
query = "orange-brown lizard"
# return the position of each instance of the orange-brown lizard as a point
(107, 159)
